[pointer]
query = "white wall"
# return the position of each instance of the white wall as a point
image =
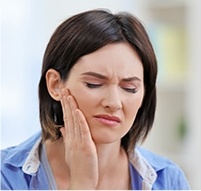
(193, 145)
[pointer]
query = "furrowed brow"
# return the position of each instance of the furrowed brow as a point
(131, 79)
(97, 75)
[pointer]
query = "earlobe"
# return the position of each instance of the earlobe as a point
(54, 83)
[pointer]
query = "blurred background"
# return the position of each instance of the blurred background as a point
(175, 31)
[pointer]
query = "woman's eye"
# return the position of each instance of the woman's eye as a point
(89, 85)
(131, 90)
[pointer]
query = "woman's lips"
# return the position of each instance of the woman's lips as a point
(108, 120)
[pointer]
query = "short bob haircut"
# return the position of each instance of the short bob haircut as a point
(85, 33)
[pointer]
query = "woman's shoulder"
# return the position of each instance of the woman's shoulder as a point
(24, 147)
(168, 172)
(16, 155)
(13, 160)
(157, 161)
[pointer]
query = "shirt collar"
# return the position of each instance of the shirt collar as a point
(156, 161)
(145, 170)
(26, 155)
(22, 154)
(32, 162)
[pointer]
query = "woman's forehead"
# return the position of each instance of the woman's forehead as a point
(115, 58)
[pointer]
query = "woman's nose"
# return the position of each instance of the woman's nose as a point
(112, 99)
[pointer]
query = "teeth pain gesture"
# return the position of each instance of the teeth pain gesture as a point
(80, 154)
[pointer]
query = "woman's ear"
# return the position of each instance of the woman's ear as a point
(54, 83)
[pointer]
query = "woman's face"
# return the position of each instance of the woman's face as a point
(108, 88)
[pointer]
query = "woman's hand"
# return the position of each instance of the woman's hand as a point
(80, 150)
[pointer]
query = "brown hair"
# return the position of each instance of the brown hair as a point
(85, 33)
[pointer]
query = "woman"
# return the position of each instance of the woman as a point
(97, 98)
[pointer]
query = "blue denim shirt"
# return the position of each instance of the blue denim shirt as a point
(21, 169)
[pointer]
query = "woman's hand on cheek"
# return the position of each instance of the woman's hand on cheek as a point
(80, 155)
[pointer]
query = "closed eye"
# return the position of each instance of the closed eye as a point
(130, 90)
(92, 86)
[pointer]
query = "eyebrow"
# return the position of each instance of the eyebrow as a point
(98, 75)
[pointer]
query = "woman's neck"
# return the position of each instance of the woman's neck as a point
(111, 157)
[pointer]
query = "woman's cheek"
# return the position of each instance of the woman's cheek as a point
(84, 98)
(132, 111)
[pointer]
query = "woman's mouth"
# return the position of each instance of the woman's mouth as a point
(108, 120)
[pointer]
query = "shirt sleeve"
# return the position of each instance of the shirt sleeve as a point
(179, 182)
(4, 183)
(171, 178)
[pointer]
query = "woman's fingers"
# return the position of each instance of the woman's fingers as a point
(80, 150)
(83, 127)
(67, 114)
(69, 106)
(75, 123)
(75, 127)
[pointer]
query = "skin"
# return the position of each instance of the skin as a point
(100, 100)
